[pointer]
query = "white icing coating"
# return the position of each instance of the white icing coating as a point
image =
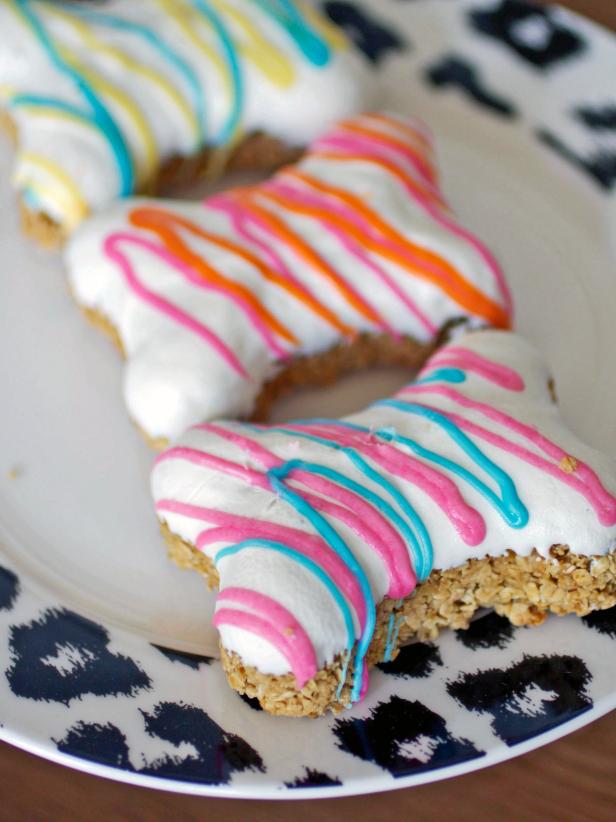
(174, 378)
(557, 512)
(164, 75)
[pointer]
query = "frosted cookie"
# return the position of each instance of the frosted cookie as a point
(111, 98)
(333, 540)
(349, 257)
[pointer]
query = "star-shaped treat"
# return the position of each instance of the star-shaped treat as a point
(350, 257)
(332, 541)
(106, 99)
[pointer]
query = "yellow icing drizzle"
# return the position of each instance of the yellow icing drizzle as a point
(93, 42)
(265, 56)
(61, 188)
(125, 102)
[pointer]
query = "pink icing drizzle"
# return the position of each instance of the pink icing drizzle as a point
(468, 522)
(413, 158)
(357, 144)
(236, 528)
(459, 357)
(240, 220)
(583, 479)
(303, 195)
(281, 628)
(348, 507)
(249, 216)
(174, 313)
(195, 279)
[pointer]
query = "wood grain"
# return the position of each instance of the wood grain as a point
(573, 780)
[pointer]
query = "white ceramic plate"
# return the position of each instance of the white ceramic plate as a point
(105, 652)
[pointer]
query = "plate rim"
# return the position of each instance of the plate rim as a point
(499, 755)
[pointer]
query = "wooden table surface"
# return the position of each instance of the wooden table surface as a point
(573, 780)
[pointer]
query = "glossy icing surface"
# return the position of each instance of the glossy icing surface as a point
(311, 524)
(103, 94)
(210, 299)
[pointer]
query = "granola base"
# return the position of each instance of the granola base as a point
(256, 152)
(522, 588)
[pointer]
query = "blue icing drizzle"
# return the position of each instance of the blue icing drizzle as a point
(393, 628)
(231, 56)
(288, 16)
(511, 507)
(100, 117)
(272, 545)
(335, 541)
(284, 12)
(164, 50)
(422, 547)
(452, 375)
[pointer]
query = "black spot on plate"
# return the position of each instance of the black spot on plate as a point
(313, 779)
(218, 755)
(9, 589)
(416, 660)
(403, 738)
(452, 71)
(531, 31)
(370, 35)
(597, 117)
(528, 698)
(252, 701)
(63, 656)
(97, 743)
(598, 163)
(602, 621)
(190, 660)
(490, 631)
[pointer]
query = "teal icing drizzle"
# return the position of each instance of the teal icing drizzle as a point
(160, 46)
(286, 15)
(343, 674)
(393, 628)
(36, 101)
(452, 375)
(31, 199)
(306, 562)
(99, 117)
(421, 546)
(311, 45)
(335, 541)
(510, 506)
(231, 56)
